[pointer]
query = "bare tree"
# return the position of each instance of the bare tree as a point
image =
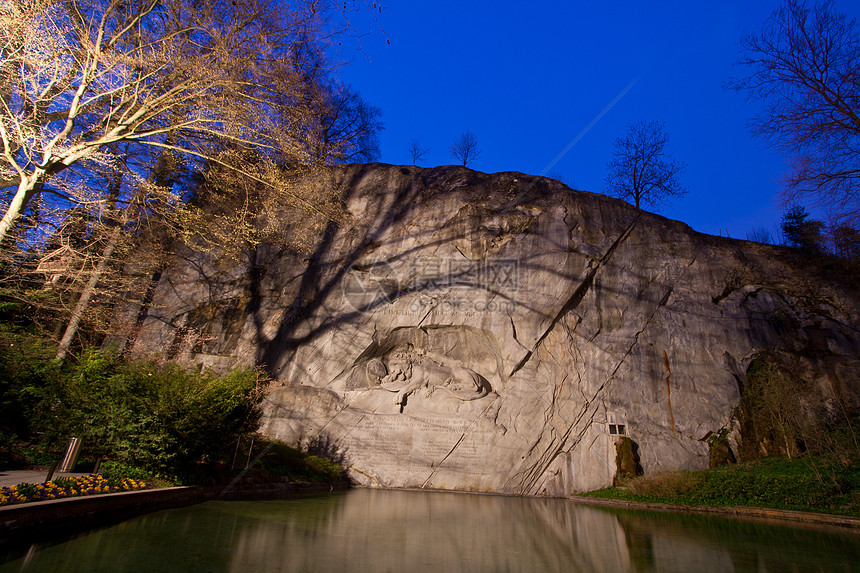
(465, 149)
(69, 258)
(804, 66)
(115, 230)
(640, 170)
(561, 178)
(416, 151)
(79, 75)
(325, 120)
(87, 84)
(342, 127)
(845, 241)
(760, 235)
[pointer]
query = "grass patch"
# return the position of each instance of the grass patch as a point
(805, 484)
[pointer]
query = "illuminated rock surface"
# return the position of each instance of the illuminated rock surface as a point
(492, 332)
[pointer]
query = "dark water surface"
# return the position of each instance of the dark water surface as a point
(400, 531)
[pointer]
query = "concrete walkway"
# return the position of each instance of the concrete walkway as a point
(14, 477)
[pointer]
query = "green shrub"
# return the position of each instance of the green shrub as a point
(720, 450)
(325, 468)
(114, 472)
(160, 417)
(626, 460)
(28, 380)
(281, 459)
(772, 419)
(771, 482)
(666, 484)
(783, 414)
(40, 455)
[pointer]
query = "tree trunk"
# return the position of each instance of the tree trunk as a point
(87, 294)
(26, 190)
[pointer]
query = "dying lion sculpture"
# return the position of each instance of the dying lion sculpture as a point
(409, 370)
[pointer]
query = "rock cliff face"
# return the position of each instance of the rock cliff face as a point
(499, 332)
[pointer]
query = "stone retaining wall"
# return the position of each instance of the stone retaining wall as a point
(60, 516)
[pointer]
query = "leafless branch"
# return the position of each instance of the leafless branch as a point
(641, 171)
(804, 66)
(465, 149)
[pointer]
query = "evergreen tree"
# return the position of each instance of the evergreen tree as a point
(800, 231)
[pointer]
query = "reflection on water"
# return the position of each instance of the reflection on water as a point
(380, 531)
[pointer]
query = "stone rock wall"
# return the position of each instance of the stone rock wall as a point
(498, 332)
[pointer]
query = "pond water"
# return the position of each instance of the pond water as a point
(402, 531)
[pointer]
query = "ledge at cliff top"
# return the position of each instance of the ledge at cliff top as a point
(497, 333)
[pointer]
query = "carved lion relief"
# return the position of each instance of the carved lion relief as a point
(406, 371)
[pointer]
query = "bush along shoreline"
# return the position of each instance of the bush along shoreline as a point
(800, 484)
(798, 445)
(275, 462)
(155, 422)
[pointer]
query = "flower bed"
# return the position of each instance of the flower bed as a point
(66, 487)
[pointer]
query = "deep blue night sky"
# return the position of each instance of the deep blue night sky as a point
(528, 78)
